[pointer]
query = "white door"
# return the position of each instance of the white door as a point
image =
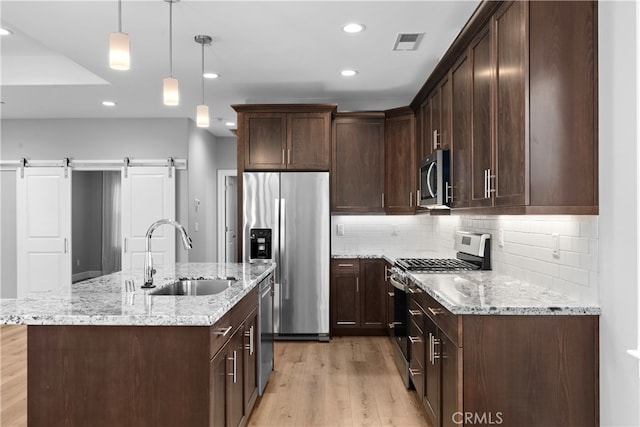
(231, 218)
(148, 194)
(43, 208)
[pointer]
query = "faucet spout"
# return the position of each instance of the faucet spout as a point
(149, 271)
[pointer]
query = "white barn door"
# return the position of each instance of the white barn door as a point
(148, 194)
(43, 208)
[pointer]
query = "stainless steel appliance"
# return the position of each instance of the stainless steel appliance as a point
(265, 343)
(435, 187)
(474, 253)
(295, 206)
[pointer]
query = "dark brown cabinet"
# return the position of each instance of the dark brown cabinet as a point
(522, 78)
(357, 302)
(284, 137)
(390, 299)
(250, 331)
(460, 155)
(400, 162)
(357, 167)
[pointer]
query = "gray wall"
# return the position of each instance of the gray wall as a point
(85, 139)
(86, 222)
(202, 186)
(619, 382)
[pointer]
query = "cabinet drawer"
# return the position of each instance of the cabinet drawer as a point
(346, 265)
(231, 321)
(448, 322)
(416, 315)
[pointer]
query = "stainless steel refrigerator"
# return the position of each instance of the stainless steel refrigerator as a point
(286, 220)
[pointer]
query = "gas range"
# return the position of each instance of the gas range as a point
(473, 254)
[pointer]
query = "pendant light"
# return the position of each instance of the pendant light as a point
(119, 56)
(170, 84)
(202, 110)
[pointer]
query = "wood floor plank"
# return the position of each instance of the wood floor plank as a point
(13, 375)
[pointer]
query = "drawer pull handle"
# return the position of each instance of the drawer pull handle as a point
(414, 372)
(414, 291)
(390, 294)
(345, 265)
(391, 325)
(415, 312)
(436, 311)
(223, 331)
(415, 340)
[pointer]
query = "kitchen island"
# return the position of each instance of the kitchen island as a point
(104, 356)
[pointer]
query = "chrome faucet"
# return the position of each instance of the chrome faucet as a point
(149, 271)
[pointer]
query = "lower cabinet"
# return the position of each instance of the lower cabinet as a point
(358, 303)
(234, 369)
(496, 369)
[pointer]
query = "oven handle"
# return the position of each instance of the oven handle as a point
(396, 284)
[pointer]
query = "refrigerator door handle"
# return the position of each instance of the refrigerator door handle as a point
(284, 268)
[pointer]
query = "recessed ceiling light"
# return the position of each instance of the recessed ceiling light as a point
(5, 32)
(210, 75)
(348, 73)
(108, 103)
(353, 27)
(230, 124)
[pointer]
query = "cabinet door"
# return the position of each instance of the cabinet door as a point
(482, 74)
(400, 165)
(372, 292)
(434, 124)
(266, 141)
(511, 170)
(218, 402)
(451, 358)
(308, 138)
(235, 378)
(357, 178)
(250, 364)
(432, 374)
(424, 147)
(444, 131)
(345, 298)
(461, 132)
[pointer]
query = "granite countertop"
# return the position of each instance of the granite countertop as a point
(487, 292)
(104, 301)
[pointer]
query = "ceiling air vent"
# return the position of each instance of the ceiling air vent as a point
(407, 41)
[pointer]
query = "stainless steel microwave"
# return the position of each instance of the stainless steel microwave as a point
(435, 184)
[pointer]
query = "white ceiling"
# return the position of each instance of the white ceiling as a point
(55, 63)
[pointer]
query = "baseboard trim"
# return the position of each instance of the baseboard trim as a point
(84, 275)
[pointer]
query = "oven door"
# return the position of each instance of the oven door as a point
(400, 316)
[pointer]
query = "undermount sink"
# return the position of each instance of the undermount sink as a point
(196, 287)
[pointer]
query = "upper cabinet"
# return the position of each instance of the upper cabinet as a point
(285, 137)
(522, 85)
(357, 172)
(400, 162)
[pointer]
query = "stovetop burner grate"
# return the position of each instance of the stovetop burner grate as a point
(434, 265)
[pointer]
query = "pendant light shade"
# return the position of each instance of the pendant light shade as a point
(202, 111)
(171, 95)
(119, 56)
(202, 116)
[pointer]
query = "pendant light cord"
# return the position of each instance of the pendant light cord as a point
(119, 16)
(202, 73)
(170, 38)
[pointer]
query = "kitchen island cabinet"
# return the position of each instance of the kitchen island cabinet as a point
(102, 355)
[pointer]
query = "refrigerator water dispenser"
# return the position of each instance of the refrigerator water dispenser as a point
(260, 239)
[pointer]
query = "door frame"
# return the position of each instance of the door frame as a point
(222, 174)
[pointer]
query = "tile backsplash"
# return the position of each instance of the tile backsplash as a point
(526, 253)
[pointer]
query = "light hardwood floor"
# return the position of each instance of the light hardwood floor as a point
(350, 381)
(13, 376)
